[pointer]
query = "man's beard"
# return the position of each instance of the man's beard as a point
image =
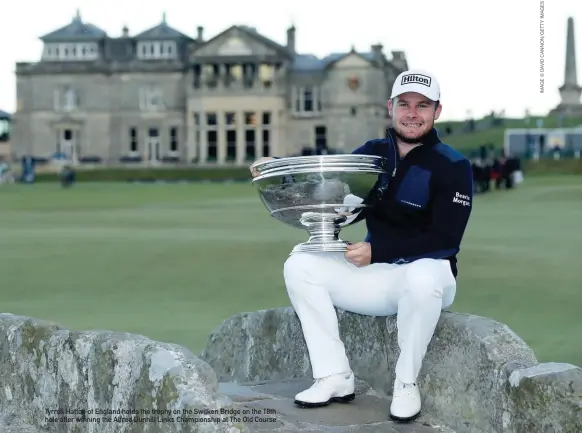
(414, 140)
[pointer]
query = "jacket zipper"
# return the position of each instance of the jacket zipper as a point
(397, 158)
(394, 146)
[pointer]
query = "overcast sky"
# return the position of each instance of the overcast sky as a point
(485, 54)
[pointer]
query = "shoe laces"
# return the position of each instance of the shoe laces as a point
(404, 390)
(324, 381)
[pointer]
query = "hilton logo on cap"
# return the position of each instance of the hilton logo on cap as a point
(416, 78)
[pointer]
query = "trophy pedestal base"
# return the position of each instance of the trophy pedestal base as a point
(324, 233)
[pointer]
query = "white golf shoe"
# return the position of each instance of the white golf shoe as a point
(406, 402)
(338, 388)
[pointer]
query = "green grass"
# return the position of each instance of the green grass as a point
(467, 142)
(173, 261)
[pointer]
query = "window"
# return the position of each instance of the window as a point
(320, 138)
(211, 74)
(212, 140)
(266, 73)
(69, 100)
(297, 100)
(174, 140)
(266, 142)
(156, 50)
(4, 130)
(234, 73)
(250, 118)
(197, 82)
(249, 75)
(231, 138)
(250, 143)
(133, 142)
(266, 118)
(230, 119)
(211, 119)
(70, 52)
(307, 100)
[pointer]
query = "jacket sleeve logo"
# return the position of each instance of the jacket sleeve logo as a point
(463, 200)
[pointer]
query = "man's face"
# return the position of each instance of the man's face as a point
(413, 116)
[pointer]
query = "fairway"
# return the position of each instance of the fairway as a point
(173, 261)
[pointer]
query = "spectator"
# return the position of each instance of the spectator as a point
(67, 176)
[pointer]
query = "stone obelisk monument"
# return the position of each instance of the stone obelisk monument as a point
(570, 91)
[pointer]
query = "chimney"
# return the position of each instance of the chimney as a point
(291, 39)
(377, 52)
(399, 60)
(200, 33)
(125, 32)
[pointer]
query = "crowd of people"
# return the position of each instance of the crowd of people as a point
(67, 174)
(493, 169)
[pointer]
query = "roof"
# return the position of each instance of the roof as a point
(161, 31)
(250, 31)
(75, 30)
(253, 31)
(5, 115)
(311, 63)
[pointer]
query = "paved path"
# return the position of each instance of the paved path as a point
(271, 406)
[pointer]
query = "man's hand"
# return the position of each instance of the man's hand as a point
(360, 254)
(255, 173)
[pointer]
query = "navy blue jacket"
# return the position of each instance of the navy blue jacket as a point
(422, 208)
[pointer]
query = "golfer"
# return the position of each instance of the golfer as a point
(406, 266)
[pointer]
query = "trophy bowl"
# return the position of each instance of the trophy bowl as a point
(321, 194)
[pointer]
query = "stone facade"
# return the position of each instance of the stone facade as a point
(162, 96)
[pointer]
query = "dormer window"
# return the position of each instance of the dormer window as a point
(157, 50)
(70, 52)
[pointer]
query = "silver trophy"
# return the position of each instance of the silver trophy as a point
(320, 194)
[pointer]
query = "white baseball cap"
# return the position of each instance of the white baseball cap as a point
(417, 81)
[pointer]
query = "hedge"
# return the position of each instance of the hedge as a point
(154, 174)
(546, 166)
(550, 166)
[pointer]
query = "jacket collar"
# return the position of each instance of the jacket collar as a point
(430, 140)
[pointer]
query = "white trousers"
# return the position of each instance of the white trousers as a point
(416, 292)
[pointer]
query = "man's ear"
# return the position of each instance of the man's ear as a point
(437, 112)
(390, 107)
